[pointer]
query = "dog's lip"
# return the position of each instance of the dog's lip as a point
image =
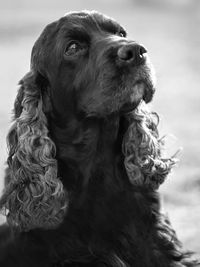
(149, 92)
(142, 91)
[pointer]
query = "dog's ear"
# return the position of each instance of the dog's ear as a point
(33, 196)
(142, 147)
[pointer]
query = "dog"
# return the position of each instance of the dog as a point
(85, 157)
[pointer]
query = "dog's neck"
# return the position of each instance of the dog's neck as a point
(89, 148)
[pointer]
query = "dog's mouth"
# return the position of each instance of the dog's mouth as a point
(141, 90)
(140, 85)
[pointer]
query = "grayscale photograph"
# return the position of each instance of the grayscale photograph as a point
(100, 133)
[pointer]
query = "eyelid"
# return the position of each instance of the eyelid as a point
(81, 44)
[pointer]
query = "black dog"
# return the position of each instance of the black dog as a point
(85, 156)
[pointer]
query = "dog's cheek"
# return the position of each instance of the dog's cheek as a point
(96, 86)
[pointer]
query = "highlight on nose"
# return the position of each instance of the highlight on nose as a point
(131, 53)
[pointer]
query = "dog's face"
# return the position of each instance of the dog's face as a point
(89, 55)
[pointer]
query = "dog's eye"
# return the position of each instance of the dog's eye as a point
(121, 33)
(74, 48)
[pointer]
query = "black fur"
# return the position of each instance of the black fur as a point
(109, 221)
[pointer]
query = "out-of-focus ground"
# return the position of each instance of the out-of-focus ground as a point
(170, 31)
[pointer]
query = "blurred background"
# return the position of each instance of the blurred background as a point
(171, 32)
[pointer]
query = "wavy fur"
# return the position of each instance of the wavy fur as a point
(70, 117)
(143, 149)
(34, 196)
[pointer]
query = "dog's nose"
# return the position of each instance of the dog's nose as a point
(132, 52)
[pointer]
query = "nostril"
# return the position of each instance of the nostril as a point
(142, 50)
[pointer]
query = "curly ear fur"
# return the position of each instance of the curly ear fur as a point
(34, 196)
(143, 149)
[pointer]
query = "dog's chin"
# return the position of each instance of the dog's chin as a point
(139, 91)
(124, 101)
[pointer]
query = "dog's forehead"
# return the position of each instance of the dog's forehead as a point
(90, 20)
(54, 32)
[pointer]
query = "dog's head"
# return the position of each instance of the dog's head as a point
(90, 56)
(82, 66)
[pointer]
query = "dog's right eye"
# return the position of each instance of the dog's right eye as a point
(74, 48)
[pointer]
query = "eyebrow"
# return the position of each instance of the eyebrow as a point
(112, 27)
(78, 33)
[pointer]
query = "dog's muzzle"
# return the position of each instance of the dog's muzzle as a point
(132, 56)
